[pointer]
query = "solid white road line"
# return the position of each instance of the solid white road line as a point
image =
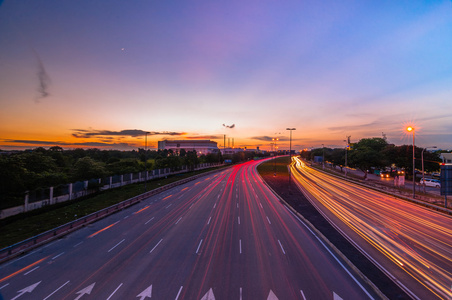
(281, 247)
(57, 255)
(156, 245)
(78, 244)
(114, 292)
(116, 245)
(55, 290)
(149, 220)
(180, 290)
(4, 286)
(31, 270)
(199, 246)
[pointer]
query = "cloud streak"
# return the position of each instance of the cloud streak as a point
(43, 77)
(83, 133)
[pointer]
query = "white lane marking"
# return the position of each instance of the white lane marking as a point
(240, 293)
(28, 289)
(238, 218)
(209, 295)
(4, 286)
(191, 206)
(261, 205)
(218, 197)
(57, 255)
(146, 293)
(334, 256)
(215, 205)
(180, 290)
(125, 217)
(269, 221)
(168, 206)
(336, 296)
(199, 246)
(85, 291)
(281, 247)
(179, 220)
(78, 244)
(437, 290)
(272, 296)
(208, 222)
(116, 245)
(149, 220)
(240, 245)
(156, 245)
(55, 291)
(31, 270)
(114, 292)
(237, 205)
(302, 295)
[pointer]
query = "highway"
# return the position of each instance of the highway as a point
(412, 244)
(223, 236)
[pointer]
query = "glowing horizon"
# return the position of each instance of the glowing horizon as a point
(78, 75)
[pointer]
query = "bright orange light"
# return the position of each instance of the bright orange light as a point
(409, 128)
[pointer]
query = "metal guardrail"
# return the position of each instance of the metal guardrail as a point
(45, 237)
(419, 202)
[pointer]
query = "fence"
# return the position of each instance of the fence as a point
(40, 239)
(52, 195)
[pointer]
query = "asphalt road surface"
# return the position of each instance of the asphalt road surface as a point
(411, 243)
(223, 236)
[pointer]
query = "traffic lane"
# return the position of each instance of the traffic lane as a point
(394, 224)
(297, 244)
(104, 230)
(144, 271)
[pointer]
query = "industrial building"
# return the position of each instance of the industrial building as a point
(200, 146)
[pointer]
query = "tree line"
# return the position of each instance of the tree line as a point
(376, 153)
(39, 168)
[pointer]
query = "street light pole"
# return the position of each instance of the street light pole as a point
(274, 158)
(323, 157)
(290, 151)
(422, 159)
(145, 159)
(411, 129)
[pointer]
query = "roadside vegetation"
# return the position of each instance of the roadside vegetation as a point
(20, 227)
(375, 154)
(40, 168)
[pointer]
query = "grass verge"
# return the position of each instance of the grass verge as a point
(23, 226)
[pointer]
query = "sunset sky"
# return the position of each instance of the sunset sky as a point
(98, 74)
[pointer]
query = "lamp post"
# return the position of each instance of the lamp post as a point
(145, 159)
(422, 159)
(290, 150)
(274, 158)
(411, 129)
(323, 157)
(347, 142)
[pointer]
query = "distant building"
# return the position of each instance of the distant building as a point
(447, 158)
(200, 146)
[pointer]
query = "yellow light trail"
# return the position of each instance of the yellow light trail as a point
(418, 240)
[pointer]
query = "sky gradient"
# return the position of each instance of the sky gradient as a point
(101, 73)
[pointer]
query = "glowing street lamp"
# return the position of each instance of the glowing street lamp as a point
(411, 129)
